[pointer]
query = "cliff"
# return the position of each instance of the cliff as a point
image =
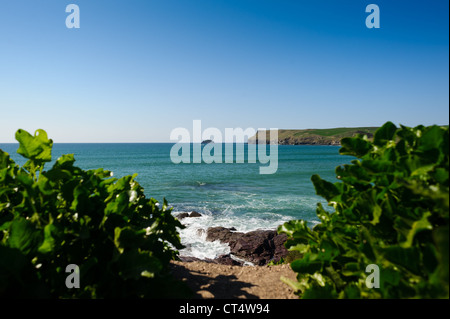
(331, 136)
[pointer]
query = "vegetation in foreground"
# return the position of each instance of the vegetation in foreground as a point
(121, 241)
(391, 209)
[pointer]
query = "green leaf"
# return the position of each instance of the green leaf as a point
(295, 285)
(81, 198)
(355, 146)
(407, 258)
(441, 238)
(352, 291)
(390, 276)
(37, 147)
(378, 166)
(323, 188)
(318, 292)
(5, 160)
(49, 242)
(384, 134)
(309, 264)
(65, 161)
(327, 251)
(417, 226)
(134, 264)
(366, 245)
(24, 236)
(377, 212)
(431, 138)
(351, 269)
(127, 238)
(423, 170)
(297, 229)
(3, 174)
(441, 175)
(44, 185)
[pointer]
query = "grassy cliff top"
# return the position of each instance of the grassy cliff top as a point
(336, 132)
(330, 136)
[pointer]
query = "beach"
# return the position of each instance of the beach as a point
(248, 271)
(210, 280)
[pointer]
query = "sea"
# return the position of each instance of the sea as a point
(225, 194)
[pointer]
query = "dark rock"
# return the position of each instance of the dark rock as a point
(225, 235)
(222, 260)
(280, 250)
(189, 259)
(192, 214)
(195, 214)
(227, 260)
(258, 247)
(182, 215)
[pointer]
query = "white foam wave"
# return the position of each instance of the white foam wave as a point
(193, 237)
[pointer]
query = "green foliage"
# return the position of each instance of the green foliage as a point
(391, 208)
(122, 241)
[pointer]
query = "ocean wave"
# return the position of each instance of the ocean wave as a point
(243, 211)
(193, 237)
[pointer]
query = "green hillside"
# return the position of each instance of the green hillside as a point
(330, 136)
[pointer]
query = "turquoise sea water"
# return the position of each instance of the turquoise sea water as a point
(229, 195)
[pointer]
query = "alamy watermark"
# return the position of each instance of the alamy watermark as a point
(73, 19)
(373, 279)
(73, 280)
(212, 152)
(373, 19)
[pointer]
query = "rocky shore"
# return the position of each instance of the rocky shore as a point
(258, 247)
(332, 136)
(225, 278)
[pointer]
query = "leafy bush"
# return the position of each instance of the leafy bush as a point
(121, 241)
(391, 209)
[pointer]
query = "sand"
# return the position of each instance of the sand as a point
(209, 280)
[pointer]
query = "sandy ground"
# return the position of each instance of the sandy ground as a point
(210, 280)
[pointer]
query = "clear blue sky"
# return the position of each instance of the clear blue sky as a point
(135, 70)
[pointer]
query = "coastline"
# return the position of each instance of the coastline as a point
(210, 280)
(331, 136)
(258, 247)
(248, 271)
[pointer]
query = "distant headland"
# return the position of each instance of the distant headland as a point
(330, 136)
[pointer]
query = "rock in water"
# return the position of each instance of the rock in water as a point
(224, 235)
(258, 247)
(185, 215)
(182, 215)
(195, 214)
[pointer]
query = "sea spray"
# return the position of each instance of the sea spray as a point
(193, 237)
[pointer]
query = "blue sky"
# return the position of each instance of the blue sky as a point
(135, 70)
